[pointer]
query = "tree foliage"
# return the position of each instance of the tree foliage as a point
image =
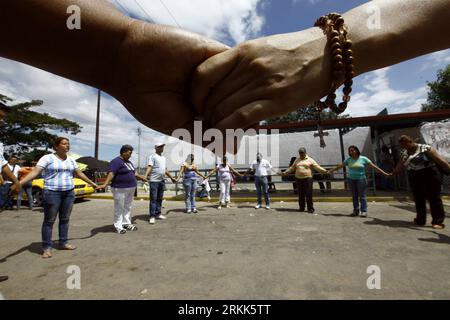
(439, 94)
(24, 129)
(307, 113)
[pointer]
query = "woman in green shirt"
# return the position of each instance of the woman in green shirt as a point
(357, 180)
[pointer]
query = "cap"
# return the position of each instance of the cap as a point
(159, 144)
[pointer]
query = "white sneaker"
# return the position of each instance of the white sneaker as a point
(268, 207)
(188, 211)
(257, 206)
(161, 217)
(194, 210)
(219, 207)
(152, 220)
(227, 206)
(363, 215)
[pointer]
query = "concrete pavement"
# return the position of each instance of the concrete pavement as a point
(236, 253)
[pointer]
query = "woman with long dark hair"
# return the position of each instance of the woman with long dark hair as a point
(58, 170)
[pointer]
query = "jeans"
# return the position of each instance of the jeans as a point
(358, 188)
(123, 197)
(426, 186)
(156, 197)
(56, 202)
(5, 198)
(262, 186)
(305, 191)
(190, 185)
(29, 191)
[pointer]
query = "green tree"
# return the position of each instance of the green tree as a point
(439, 94)
(24, 129)
(307, 113)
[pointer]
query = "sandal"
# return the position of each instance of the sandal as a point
(438, 226)
(68, 247)
(46, 254)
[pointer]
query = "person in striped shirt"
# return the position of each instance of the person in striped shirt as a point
(303, 167)
(58, 170)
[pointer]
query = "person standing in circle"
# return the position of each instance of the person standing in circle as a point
(122, 175)
(304, 177)
(225, 176)
(58, 170)
(424, 164)
(189, 173)
(357, 179)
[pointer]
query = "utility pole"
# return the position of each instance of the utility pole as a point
(97, 125)
(139, 132)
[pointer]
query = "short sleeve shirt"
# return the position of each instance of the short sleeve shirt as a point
(158, 164)
(3, 162)
(357, 168)
(57, 173)
(261, 169)
(419, 160)
(224, 172)
(124, 173)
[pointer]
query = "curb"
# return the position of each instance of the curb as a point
(274, 199)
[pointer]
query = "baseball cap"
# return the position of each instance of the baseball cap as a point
(159, 144)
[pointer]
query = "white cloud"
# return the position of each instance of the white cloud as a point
(217, 19)
(378, 95)
(76, 102)
(436, 60)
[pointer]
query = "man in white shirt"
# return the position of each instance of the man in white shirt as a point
(157, 171)
(261, 168)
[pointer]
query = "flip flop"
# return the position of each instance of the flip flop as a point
(46, 254)
(68, 247)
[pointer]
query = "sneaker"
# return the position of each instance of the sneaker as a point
(121, 231)
(301, 209)
(439, 226)
(267, 207)
(152, 220)
(130, 227)
(227, 206)
(161, 217)
(194, 210)
(311, 211)
(188, 211)
(363, 214)
(257, 206)
(219, 207)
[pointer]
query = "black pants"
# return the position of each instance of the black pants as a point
(305, 187)
(426, 185)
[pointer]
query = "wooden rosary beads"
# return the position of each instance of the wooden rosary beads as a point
(342, 60)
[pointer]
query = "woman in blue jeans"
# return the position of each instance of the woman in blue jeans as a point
(189, 173)
(357, 179)
(57, 170)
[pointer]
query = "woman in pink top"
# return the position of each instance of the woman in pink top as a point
(225, 171)
(304, 177)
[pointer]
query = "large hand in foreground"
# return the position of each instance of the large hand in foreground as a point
(263, 78)
(156, 64)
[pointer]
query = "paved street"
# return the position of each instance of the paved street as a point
(236, 253)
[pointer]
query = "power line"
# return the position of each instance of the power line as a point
(121, 6)
(170, 13)
(145, 11)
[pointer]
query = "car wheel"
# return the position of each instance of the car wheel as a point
(37, 197)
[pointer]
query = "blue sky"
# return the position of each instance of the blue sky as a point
(400, 88)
